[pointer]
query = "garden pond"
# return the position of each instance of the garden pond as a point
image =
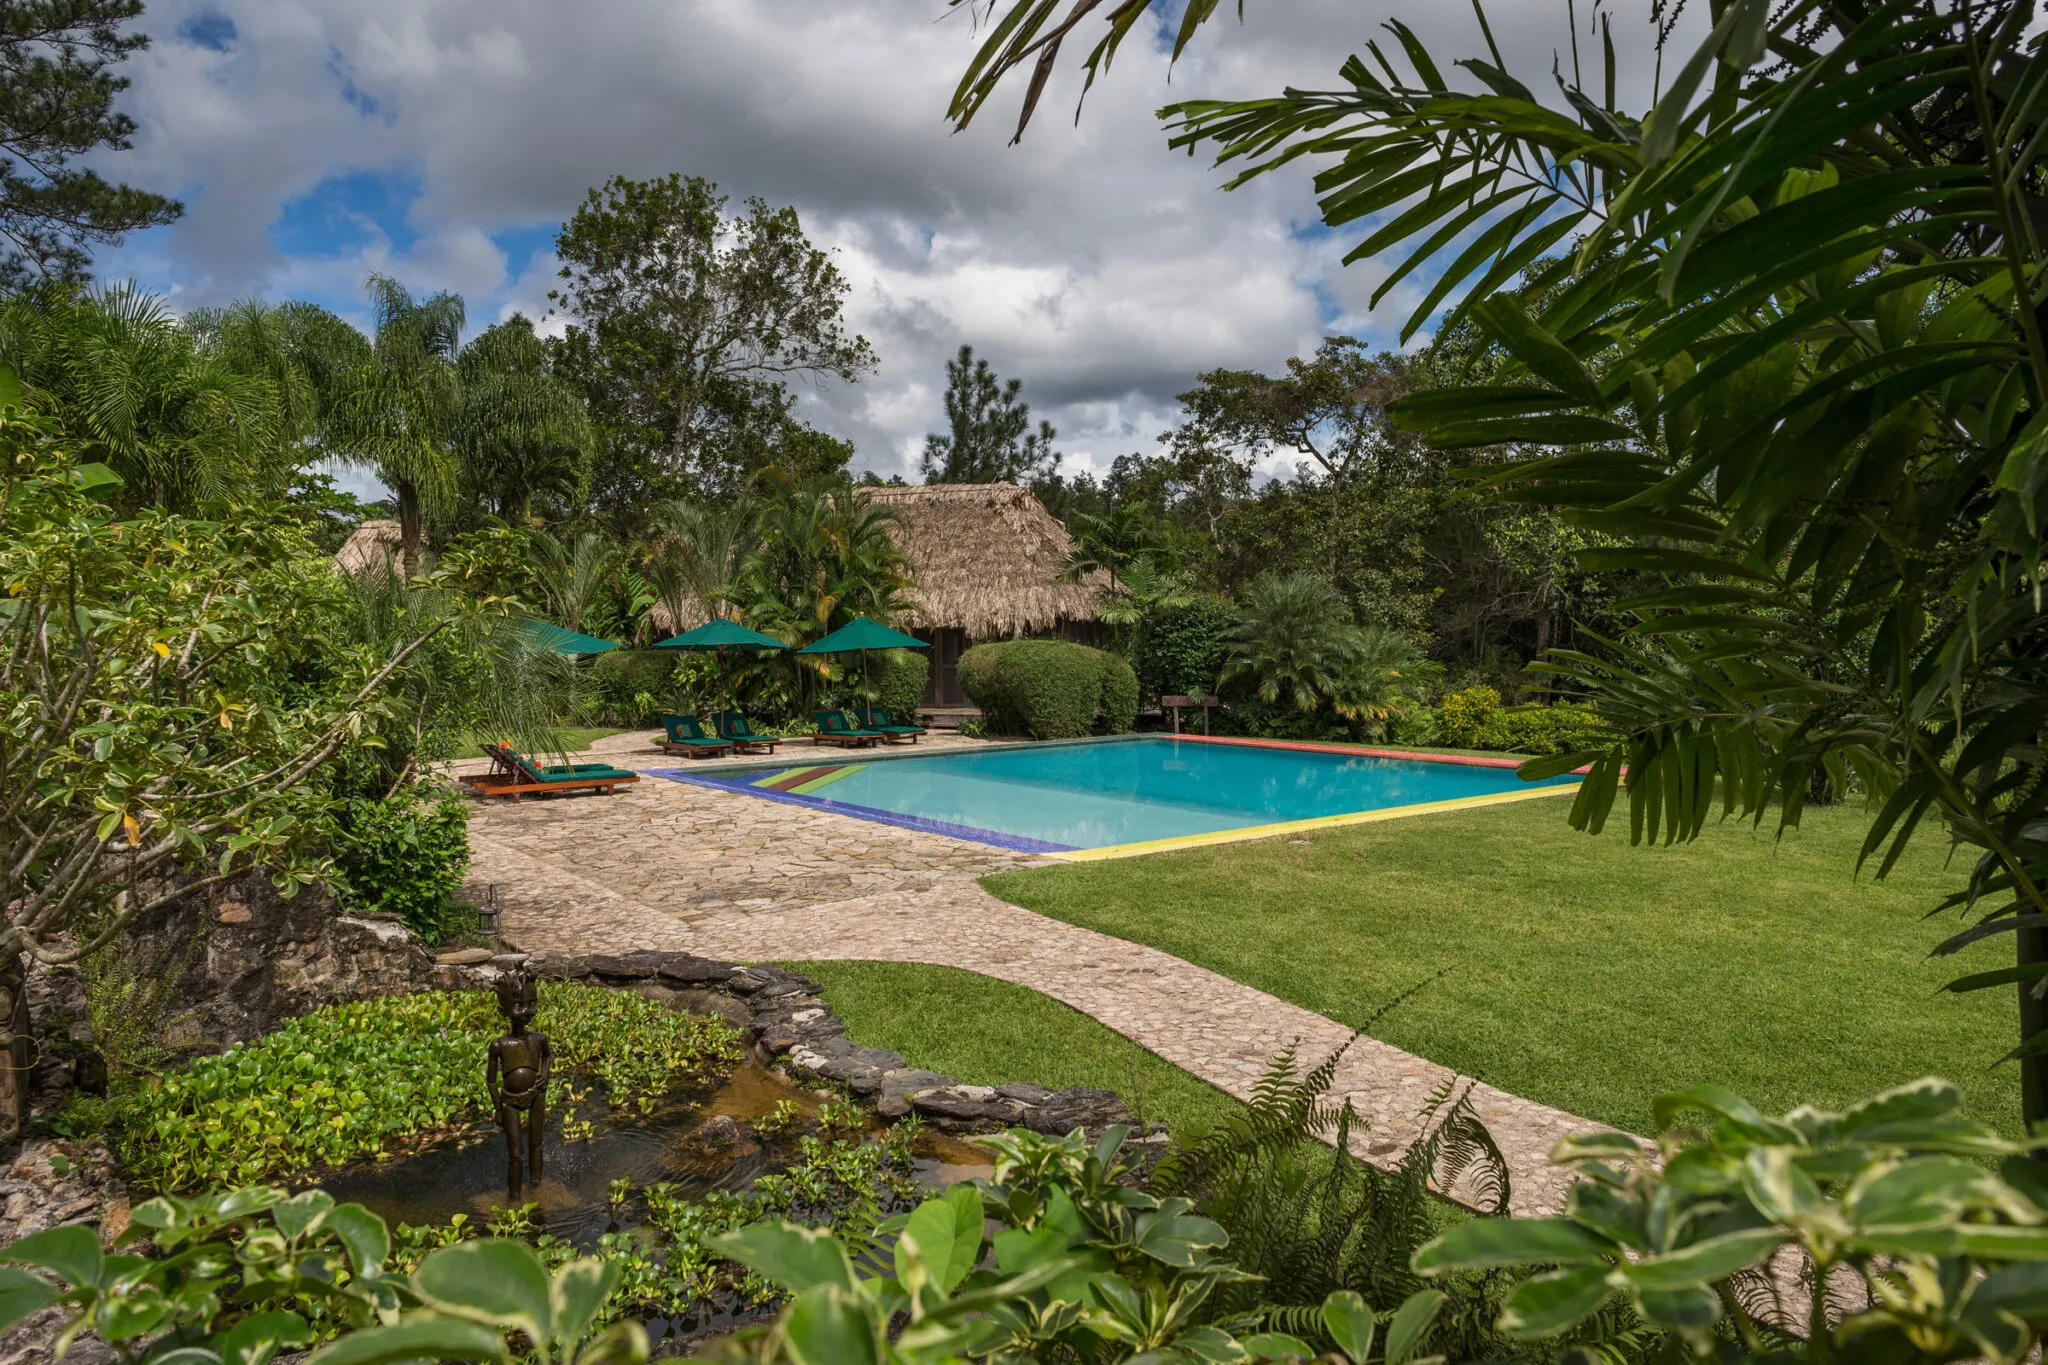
(590, 1183)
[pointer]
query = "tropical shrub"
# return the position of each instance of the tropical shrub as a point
(1178, 648)
(346, 1081)
(626, 687)
(239, 1276)
(1703, 1233)
(1085, 1266)
(1119, 695)
(1293, 642)
(1475, 719)
(1048, 689)
(1469, 719)
(898, 678)
(405, 855)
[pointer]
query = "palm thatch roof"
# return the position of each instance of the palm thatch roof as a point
(986, 558)
(369, 549)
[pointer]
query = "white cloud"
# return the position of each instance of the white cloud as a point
(1091, 261)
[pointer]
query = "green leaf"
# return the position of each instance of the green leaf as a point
(22, 1294)
(92, 477)
(1929, 1191)
(363, 1235)
(795, 1257)
(1705, 1261)
(416, 1339)
(73, 1253)
(1544, 1305)
(825, 1326)
(1724, 1104)
(1178, 1240)
(1689, 1309)
(499, 1282)
(1411, 1320)
(258, 1337)
(1485, 1242)
(298, 1213)
(1775, 1183)
(1276, 1346)
(578, 1292)
(1542, 354)
(1349, 1321)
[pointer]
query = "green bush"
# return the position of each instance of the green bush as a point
(1475, 719)
(1119, 695)
(405, 856)
(1048, 689)
(1179, 650)
(898, 677)
(626, 687)
(1469, 719)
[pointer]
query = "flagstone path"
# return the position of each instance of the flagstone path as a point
(670, 866)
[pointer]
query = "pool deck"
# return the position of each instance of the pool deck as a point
(678, 866)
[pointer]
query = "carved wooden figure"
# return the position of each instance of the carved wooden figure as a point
(517, 1077)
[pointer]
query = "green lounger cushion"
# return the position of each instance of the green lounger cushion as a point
(836, 724)
(588, 773)
(689, 730)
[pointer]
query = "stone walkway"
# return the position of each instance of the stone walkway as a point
(670, 866)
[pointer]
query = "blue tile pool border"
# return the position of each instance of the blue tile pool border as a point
(1016, 843)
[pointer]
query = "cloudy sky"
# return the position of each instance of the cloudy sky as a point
(442, 141)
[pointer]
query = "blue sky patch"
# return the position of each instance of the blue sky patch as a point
(209, 30)
(348, 211)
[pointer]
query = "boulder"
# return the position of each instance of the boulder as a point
(689, 970)
(626, 966)
(898, 1088)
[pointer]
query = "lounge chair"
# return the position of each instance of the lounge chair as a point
(835, 728)
(506, 761)
(686, 736)
(876, 719)
(517, 776)
(733, 726)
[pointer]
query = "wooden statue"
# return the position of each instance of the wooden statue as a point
(517, 1077)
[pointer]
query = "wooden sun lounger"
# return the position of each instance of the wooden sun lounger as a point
(526, 780)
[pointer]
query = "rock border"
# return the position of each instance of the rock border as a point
(789, 1024)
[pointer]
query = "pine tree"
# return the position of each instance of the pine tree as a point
(992, 440)
(57, 94)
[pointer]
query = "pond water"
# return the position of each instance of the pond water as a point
(465, 1173)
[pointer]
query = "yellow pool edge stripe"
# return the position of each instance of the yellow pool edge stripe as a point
(1363, 817)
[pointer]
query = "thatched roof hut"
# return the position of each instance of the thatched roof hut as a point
(371, 548)
(986, 559)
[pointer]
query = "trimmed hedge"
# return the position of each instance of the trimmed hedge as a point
(898, 677)
(405, 856)
(1049, 689)
(1475, 719)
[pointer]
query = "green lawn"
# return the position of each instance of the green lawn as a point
(572, 739)
(1583, 972)
(986, 1032)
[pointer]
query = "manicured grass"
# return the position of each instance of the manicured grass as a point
(986, 1032)
(572, 739)
(1582, 972)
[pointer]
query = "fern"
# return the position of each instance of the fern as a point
(1309, 1217)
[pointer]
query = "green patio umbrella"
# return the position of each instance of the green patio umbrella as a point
(563, 641)
(720, 633)
(859, 636)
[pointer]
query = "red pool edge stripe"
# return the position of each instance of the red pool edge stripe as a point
(1355, 751)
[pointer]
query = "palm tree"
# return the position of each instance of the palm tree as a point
(1295, 640)
(1109, 543)
(398, 409)
(572, 575)
(523, 432)
(695, 554)
(1150, 586)
(135, 390)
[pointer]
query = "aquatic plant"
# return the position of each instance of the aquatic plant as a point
(353, 1081)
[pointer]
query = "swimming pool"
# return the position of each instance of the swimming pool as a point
(1113, 794)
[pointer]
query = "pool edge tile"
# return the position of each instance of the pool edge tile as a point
(1250, 832)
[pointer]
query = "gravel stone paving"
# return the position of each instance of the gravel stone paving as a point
(673, 867)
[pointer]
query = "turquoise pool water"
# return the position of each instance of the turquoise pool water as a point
(1074, 796)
